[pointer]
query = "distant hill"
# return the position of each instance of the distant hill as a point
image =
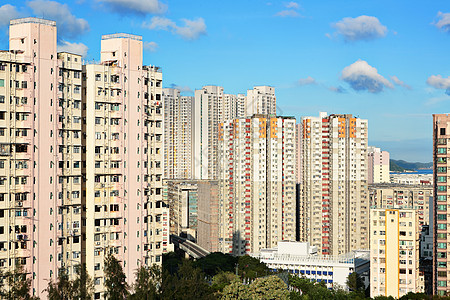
(401, 165)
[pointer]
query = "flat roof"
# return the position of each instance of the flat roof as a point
(32, 20)
(122, 36)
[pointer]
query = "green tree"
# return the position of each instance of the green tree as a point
(83, 285)
(188, 283)
(222, 279)
(268, 288)
(216, 262)
(236, 291)
(250, 267)
(355, 283)
(115, 279)
(17, 285)
(62, 288)
(148, 279)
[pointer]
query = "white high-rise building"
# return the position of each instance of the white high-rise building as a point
(378, 165)
(178, 135)
(257, 178)
(334, 204)
(261, 100)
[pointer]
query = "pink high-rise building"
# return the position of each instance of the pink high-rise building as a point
(81, 157)
(378, 162)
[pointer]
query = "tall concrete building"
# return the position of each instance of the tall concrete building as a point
(257, 164)
(211, 107)
(334, 205)
(441, 170)
(378, 165)
(394, 253)
(41, 210)
(416, 197)
(126, 214)
(178, 134)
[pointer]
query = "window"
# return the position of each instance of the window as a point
(442, 131)
(2, 82)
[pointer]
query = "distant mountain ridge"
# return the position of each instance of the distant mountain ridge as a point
(401, 165)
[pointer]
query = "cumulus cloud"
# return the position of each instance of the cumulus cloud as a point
(443, 22)
(306, 81)
(400, 83)
(293, 5)
(76, 48)
(151, 46)
(337, 89)
(182, 89)
(136, 6)
(360, 28)
(191, 29)
(363, 77)
(68, 25)
(438, 82)
(290, 10)
(7, 12)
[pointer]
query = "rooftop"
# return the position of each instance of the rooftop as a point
(32, 20)
(121, 36)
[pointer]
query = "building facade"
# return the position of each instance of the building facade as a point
(334, 204)
(212, 107)
(394, 253)
(417, 197)
(178, 135)
(208, 215)
(299, 259)
(257, 163)
(378, 165)
(441, 173)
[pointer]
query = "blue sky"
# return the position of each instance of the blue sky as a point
(385, 61)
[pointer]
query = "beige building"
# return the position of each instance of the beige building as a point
(378, 165)
(334, 203)
(394, 253)
(257, 206)
(417, 197)
(178, 135)
(441, 226)
(208, 215)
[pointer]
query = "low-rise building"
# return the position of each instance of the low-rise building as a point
(301, 259)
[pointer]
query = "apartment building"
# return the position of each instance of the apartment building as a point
(126, 214)
(178, 124)
(257, 180)
(394, 253)
(208, 215)
(334, 204)
(378, 165)
(41, 198)
(441, 240)
(417, 197)
(211, 107)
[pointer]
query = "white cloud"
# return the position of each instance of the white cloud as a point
(337, 89)
(191, 30)
(363, 77)
(400, 83)
(438, 82)
(151, 46)
(68, 25)
(136, 6)
(288, 13)
(182, 89)
(76, 48)
(292, 4)
(7, 12)
(360, 28)
(443, 22)
(306, 81)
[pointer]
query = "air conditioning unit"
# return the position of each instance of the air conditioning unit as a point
(19, 204)
(75, 230)
(97, 229)
(97, 243)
